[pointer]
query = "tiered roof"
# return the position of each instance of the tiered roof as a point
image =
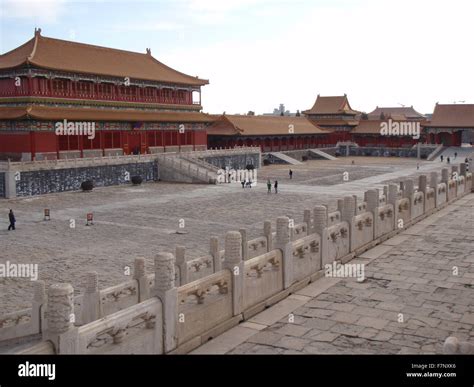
(262, 125)
(62, 55)
(336, 105)
(452, 116)
(397, 113)
(88, 114)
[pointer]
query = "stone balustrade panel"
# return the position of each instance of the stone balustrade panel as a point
(300, 230)
(441, 194)
(402, 212)
(137, 329)
(384, 220)
(263, 278)
(461, 189)
(17, 324)
(257, 247)
(199, 267)
(430, 199)
(336, 241)
(362, 230)
(417, 205)
(452, 189)
(334, 218)
(306, 256)
(119, 297)
(203, 304)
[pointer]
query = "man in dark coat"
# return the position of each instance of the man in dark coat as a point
(11, 216)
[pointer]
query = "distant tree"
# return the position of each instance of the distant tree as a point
(382, 116)
(298, 114)
(250, 113)
(365, 116)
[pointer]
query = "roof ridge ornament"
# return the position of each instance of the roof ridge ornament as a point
(37, 31)
(148, 51)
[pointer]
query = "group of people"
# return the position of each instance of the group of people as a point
(269, 186)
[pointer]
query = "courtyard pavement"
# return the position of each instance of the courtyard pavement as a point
(419, 289)
(140, 221)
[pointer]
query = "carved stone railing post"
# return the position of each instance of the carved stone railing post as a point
(454, 169)
(348, 210)
(180, 253)
(267, 231)
(434, 181)
(409, 190)
(392, 194)
(453, 346)
(216, 257)
(320, 219)
(140, 275)
(371, 197)
(307, 220)
(463, 169)
(355, 204)
(166, 291)
(60, 319)
(38, 307)
(283, 243)
(234, 263)
(385, 192)
(91, 308)
(245, 248)
(348, 215)
(445, 176)
(340, 205)
(422, 183)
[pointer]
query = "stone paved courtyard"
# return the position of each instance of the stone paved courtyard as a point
(132, 222)
(410, 302)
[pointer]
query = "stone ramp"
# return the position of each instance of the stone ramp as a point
(462, 152)
(322, 154)
(285, 158)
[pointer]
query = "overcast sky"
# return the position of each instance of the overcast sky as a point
(260, 53)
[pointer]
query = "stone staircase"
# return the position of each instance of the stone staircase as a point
(185, 170)
(285, 158)
(322, 154)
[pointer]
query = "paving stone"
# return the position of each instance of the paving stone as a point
(295, 343)
(372, 322)
(292, 330)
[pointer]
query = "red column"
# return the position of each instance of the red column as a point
(33, 145)
(193, 136)
(101, 142)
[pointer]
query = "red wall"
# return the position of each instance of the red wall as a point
(15, 142)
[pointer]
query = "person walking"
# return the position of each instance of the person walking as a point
(448, 160)
(291, 174)
(243, 183)
(442, 158)
(11, 217)
(269, 186)
(455, 155)
(276, 186)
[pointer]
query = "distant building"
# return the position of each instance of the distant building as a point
(451, 125)
(270, 133)
(136, 103)
(396, 113)
(335, 114)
